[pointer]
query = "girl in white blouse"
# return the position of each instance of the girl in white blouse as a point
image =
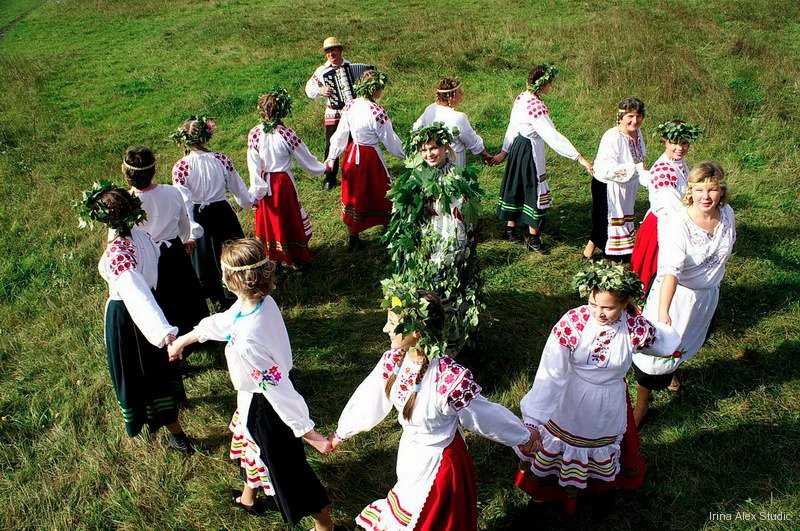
(524, 191)
(694, 247)
(280, 221)
(271, 416)
(435, 399)
(203, 177)
(147, 386)
(620, 158)
(364, 125)
(449, 95)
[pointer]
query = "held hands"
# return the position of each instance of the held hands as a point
(587, 165)
(499, 158)
(329, 166)
(534, 443)
(318, 441)
(189, 246)
(335, 441)
(175, 348)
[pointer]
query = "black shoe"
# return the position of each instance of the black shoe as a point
(329, 183)
(181, 443)
(354, 243)
(512, 235)
(534, 243)
(257, 509)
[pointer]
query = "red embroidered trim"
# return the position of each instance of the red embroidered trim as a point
(180, 171)
(254, 137)
(568, 329)
(379, 113)
(224, 160)
(121, 256)
(456, 382)
(642, 331)
(663, 175)
(289, 136)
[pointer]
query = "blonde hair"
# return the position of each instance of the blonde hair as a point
(706, 172)
(246, 271)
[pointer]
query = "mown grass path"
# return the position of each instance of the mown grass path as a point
(83, 80)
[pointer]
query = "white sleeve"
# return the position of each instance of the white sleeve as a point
(307, 160)
(340, 138)
(549, 385)
(312, 86)
(276, 387)
(238, 188)
(471, 140)
(419, 123)
(544, 127)
(143, 308)
(671, 247)
(493, 421)
(254, 166)
(216, 327)
(606, 165)
(368, 406)
(668, 200)
(511, 132)
(185, 225)
(390, 139)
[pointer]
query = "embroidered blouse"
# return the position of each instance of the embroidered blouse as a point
(666, 183)
(530, 118)
(130, 267)
(467, 138)
(273, 152)
(203, 177)
(618, 155)
(367, 124)
(259, 358)
(167, 217)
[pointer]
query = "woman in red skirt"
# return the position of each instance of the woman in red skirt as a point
(666, 183)
(280, 222)
(364, 125)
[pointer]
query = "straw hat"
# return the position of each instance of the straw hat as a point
(331, 42)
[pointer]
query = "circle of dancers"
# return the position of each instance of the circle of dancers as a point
(648, 300)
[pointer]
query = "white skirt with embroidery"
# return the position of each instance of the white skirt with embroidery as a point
(245, 449)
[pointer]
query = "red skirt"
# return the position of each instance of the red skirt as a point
(452, 503)
(282, 224)
(630, 477)
(644, 260)
(365, 183)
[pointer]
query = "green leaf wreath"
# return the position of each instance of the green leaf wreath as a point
(205, 130)
(283, 106)
(90, 209)
(369, 84)
(605, 275)
(550, 73)
(679, 132)
(436, 132)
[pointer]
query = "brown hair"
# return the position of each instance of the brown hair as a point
(193, 128)
(535, 73)
(434, 324)
(629, 104)
(253, 282)
(120, 204)
(447, 89)
(706, 172)
(267, 104)
(139, 157)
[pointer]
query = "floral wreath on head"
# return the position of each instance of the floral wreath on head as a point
(550, 73)
(679, 132)
(283, 106)
(605, 275)
(90, 209)
(205, 130)
(436, 132)
(366, 87)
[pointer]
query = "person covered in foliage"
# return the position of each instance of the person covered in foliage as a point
(666, 185)
(524, 191)
(449, 95)
(694, 247)
(365, 180)
(280, 221)
(578, 402)
(203, 177)
(620, 158)
(271, 416)
(148, 388)
(433, 205)
(435, 399)
(178, 290)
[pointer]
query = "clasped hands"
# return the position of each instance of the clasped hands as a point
(322, 444)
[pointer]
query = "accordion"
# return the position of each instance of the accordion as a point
(340, 80)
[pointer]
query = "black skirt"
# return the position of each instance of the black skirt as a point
(220, 225)
(178, 291)
(519, 190)
(653, 382)
(599, 214)
(298, 491)
(147, 386)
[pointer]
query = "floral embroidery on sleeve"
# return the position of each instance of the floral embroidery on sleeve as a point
(180, 171)
(379, 113)
(569, 328)
(289, 136)
(663, 175)
(224, 160)
(121, 256)
(641, 331)
(254, 138)
(392, 359)
(271, 376)
(456, 383)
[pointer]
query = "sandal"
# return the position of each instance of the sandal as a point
(254, 510)
(674, 386)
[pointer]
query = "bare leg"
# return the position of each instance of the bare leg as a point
(642, 403)
(248, 497)
(511, 223)
(323, 520)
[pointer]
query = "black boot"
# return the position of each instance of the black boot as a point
(534, 243)
(181, 443)
(512, 234)
(354, 243)
(330, 182)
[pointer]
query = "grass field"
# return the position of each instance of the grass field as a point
(82, 80)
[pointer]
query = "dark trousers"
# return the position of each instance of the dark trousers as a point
(329, 130)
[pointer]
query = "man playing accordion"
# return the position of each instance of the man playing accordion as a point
(334, 81)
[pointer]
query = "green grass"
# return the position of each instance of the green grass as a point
(83, 80)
